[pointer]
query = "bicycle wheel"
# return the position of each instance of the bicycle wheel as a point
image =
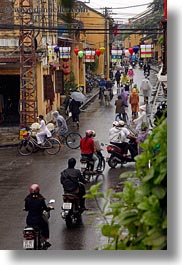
(73, 140)
(25, 148)
(52, 146)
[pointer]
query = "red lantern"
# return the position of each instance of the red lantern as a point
(65, 66)
(66, 72)
(98, 52)
(65, 59)
(76, 50)
(130, 50)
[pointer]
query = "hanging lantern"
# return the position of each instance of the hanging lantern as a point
(66, 72)
(98, 52)
(135, 49)
(130, 50)
(56, 49)
(76, 50)
(102, 49)
(65, 66)
(65, 59)
(80, 54)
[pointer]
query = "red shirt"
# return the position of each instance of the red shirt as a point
(87, 145)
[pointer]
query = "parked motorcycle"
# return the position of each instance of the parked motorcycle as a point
(116, 154)
(71, 210)
(32, 238)
(87, 165)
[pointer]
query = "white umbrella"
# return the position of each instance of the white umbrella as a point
(78, 96)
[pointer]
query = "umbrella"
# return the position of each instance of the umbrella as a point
(78, 96)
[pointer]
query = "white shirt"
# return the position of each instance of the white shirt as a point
(116, 135)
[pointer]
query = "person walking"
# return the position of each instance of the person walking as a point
(118, 77)
(120, 109)
(142, 118)
(74, 108)
(134, 102)
(146, 89)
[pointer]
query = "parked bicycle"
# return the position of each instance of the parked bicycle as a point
(29, 145)
(71, 139)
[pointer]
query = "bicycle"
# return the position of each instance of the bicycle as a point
(72, 139)
(29, 145)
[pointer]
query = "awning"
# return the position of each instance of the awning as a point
(9, 60)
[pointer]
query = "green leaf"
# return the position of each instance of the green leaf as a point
(110, 230)
(159, 191)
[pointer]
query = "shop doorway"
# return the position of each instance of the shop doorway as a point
(9, 100)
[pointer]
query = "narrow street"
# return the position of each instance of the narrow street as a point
(18, 173)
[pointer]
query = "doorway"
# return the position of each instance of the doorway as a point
(9, 100)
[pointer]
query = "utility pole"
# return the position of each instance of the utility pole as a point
(105, 41)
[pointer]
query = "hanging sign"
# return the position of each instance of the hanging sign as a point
(65, 52)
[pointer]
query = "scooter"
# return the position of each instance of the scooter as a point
(71, 210)
(141, 65)
(87, 165)
(116, 154)
(32, 238)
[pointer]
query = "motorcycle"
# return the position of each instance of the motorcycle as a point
(141, 65)
(116, 154)
(71, 210)
(32, 238)
(87, 165)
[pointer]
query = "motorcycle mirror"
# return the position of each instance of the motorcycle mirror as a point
(52, 201)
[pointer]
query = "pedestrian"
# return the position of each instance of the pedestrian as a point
(142, 118)
(146, 69)
(130, 74)
(134, 102)
(118, 77)
(146, 89)
(43, 130)
(120, 109)
(142, 136)
(74, 108)
(102, 85)
(109, 86)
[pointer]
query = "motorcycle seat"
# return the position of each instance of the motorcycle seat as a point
(70, 196)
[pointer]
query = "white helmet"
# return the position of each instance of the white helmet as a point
(121, 123)
(93, 133)
(115, 123)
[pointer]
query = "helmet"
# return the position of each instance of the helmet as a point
(121, 123)
(34, 188)
(88, 133)
(93, 133)
(115, 123)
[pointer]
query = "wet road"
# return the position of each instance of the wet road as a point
(17, 173)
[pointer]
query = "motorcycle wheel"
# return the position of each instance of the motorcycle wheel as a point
(112, 162)
(69, 222)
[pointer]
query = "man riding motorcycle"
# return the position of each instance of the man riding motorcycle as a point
(87, 148)
(73, 181)
(35, 205)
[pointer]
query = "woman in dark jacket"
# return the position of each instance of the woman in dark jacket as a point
(74, 108)
(35, 205)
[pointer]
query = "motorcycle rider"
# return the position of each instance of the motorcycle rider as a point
(87, 148)
(127, 135)
(73, 181)
(97, 149)
(35, 205)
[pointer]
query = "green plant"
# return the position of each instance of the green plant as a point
(136, 218)
(69, 84)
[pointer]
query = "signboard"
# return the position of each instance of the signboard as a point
(90, 56)
(146, 51)
(116, 56)
(64, 52)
